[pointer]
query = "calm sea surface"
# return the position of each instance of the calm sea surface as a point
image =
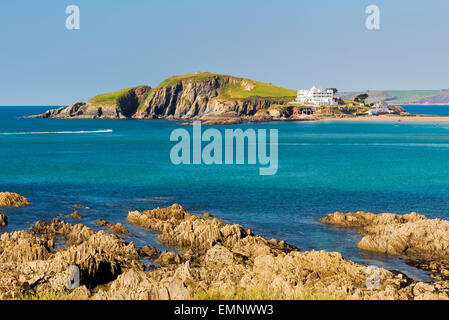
(113, 166)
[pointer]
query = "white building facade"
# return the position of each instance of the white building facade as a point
(379, 108)
(316, 96)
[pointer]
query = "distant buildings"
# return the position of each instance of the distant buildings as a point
(379, 108)
(316, 96)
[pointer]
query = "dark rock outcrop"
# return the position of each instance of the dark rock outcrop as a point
(3, 220)
(117, 228)
(149, 251)
(75, 215)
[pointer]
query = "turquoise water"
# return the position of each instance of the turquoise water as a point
(113, 166)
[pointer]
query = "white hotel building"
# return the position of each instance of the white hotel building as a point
(316, 96)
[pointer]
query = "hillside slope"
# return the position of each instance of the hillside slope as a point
(181, 97)
(403, 97)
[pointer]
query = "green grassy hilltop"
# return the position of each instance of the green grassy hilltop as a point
(238, 88)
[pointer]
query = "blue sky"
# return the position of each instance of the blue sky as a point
(291, 43)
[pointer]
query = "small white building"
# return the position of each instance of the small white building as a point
(316, 96)
(379, 108)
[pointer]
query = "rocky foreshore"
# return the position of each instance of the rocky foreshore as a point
(424, 242)
(212, 259)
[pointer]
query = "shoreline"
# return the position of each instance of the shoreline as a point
(418, 118)
(250, 119)
(207, 259)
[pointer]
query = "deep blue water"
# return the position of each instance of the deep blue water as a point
(439, 110)
(323, 167)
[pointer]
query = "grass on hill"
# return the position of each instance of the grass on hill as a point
(109, 98)
(407, 96)
(236, 90)
(241, 89)
(193, 76)
(260, 89)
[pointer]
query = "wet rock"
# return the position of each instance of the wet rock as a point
(214, 257)
(11, 199)
(75, 215)
(149, 251)
(182, 229)
(439, 268)
(3, 220)
(411, 235)
(117, 228)
(168, 257)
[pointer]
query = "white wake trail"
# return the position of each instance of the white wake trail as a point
(56, 132)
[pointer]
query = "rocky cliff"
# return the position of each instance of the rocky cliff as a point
(181, 97)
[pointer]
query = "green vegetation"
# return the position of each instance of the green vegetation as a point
(144, 99)
(361, 97)
(400, 97)
(236, 88)
(248, 88)
(262, 112)
(258, 294)
(240, 88)
(51, 296)
(109, 98)
(408, 96)
(193, 77)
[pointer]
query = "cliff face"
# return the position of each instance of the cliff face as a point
(186, 98)
(81, 110)
(124, 107)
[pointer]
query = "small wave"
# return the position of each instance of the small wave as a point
(56, 132)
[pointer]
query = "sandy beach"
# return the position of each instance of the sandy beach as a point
(390, 118)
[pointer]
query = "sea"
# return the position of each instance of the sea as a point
(115, 166)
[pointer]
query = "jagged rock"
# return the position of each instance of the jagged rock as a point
(11, 199)
(3, 220)
(439, 268)
(117, 228)
(179, 228)
(32, 262)
(75, 215)
(149, 251)
(423, 241)
(214, 257)
(168, 257)
(411, 235)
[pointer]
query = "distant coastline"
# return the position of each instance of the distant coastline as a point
(224, 99)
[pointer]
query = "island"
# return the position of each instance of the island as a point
(224, 99)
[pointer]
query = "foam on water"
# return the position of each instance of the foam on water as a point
(57, 132)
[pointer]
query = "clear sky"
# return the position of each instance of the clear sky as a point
(292, 43)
